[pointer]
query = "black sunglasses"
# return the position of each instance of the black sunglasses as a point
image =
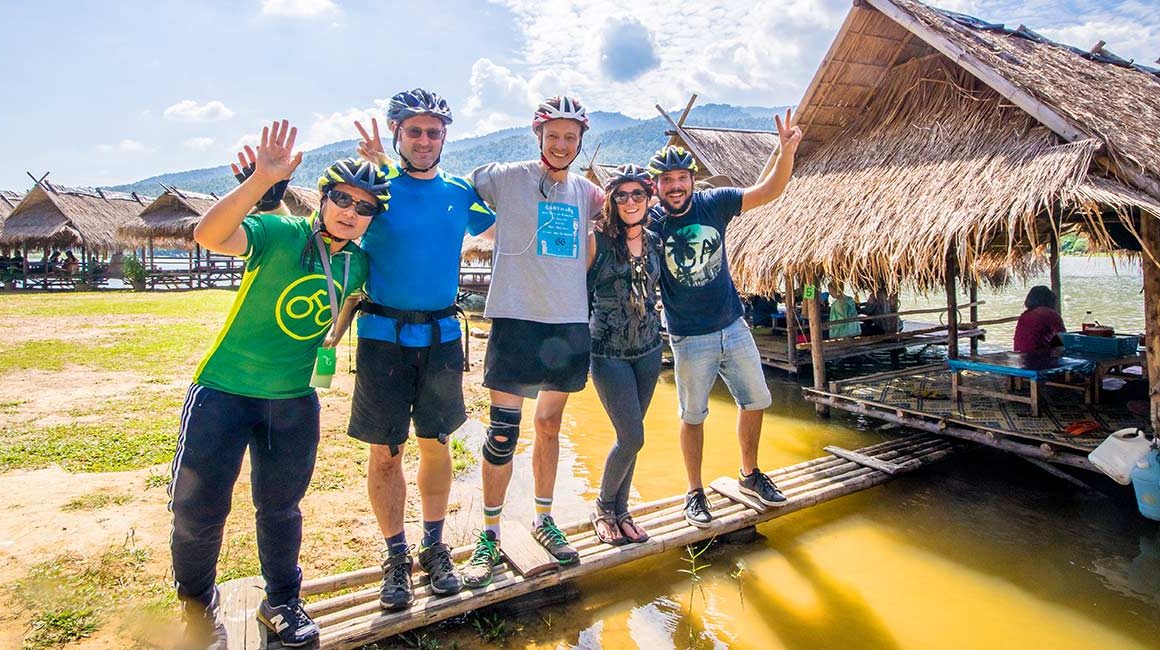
(636, 195)
(344, 200)
(415, 133)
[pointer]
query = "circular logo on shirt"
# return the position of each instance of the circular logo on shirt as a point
(303, 309)
(693, 254)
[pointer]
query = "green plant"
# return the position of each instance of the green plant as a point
(133, 270)
(693, 557)
(461, 457)
(491, 628)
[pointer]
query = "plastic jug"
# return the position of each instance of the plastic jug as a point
(1117, 455)
(1146, 481)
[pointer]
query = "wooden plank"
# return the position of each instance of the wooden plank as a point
(239, 603)
(727, 487)
(523, 552)
(872, 463)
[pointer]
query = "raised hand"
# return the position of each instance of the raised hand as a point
(788, 133)
(244, 168)
(275, 160)
(371, 148)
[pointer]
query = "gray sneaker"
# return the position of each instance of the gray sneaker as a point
(697, 509)
(397, 592)
(436, 561)
(758, 486)
(478, 571)
(290, 622)
(549, 535)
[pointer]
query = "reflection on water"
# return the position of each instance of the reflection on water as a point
(980, 551)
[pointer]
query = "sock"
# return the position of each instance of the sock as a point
(491, 520)
(432, 533)
(397, 544)
(543, 509)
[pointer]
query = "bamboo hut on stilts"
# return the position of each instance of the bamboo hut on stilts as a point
(942, 151)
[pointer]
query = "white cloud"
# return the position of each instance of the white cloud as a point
(190, 111)
(124, 146)
(199, 144)
(248, 139)
(339, 125)
(297, 8)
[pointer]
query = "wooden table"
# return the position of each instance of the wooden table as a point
(1035, 367)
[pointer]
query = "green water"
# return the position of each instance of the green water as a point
(980, 551)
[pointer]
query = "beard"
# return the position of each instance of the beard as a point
(670, 208)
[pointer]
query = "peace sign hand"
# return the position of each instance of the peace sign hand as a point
(275, 160)
(788, 133)
(371, 148)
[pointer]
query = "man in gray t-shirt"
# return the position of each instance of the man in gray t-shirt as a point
(538, 303)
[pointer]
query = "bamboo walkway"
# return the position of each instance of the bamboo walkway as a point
(352, 618)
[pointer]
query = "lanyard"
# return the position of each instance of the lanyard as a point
(324, 254)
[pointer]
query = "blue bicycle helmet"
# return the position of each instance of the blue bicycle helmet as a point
(410, 103)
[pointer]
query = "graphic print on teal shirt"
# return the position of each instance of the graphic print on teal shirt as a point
(693, 254)
(558, 227)
(414, 250)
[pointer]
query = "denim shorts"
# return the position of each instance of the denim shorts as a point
(731, 353)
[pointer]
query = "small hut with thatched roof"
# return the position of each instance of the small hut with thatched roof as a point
(941, 149)
(55, 217)
(168, 223)
(8, 201)
(725, 157)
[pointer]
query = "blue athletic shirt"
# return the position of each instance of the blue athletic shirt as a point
(414, 250)
(696, 288)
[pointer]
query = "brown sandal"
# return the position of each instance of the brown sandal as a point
(631, 531)
(610, 533)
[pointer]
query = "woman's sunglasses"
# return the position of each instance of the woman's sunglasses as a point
(636, 195)
(344, 201)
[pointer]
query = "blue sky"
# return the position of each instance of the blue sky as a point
(111, 92)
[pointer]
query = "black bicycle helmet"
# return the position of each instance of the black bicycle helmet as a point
(671, 158)
(410, 103)
(360, 174)
(629, 174)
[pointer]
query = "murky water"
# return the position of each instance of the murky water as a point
(980, 551)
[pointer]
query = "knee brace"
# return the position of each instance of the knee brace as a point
(502, 434)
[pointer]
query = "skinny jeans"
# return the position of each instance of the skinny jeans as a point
(625, 388)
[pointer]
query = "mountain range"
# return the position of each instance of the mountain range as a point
(615, 138)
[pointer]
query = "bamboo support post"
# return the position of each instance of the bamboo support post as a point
(817, 348)
(1150, 229)
(952, 307)
(1056, 281)
(790, 321)
(973, 297)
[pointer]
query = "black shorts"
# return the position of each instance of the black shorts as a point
(525, 357)
(395, 385)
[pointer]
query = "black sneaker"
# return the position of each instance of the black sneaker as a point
(436, 561)
(478, 571)
(396, 592)
(697, 509)
(203, 629)
(549, 535)
(290, 622)
(758, 486)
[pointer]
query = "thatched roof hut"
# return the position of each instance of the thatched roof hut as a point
(477, 250)
(599, 174)
(738, 155)
(170, 219)
(932, 136)
(55, 216)
(8, 202)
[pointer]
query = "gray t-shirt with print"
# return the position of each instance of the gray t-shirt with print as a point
(540, 262)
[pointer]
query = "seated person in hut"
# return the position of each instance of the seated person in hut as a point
(762, 310)
(71, 264)
(879, 304)
(842, 307)
(253, 388)
(1040, 324)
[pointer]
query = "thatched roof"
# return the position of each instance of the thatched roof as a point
(598, 173)
(52, 215)
(910, 155)
(739, 154)
(8, 202)
(169, 220)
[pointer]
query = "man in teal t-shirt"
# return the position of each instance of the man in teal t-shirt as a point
(252, 390)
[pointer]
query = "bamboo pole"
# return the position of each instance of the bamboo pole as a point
(1150, 229)
(952, 307)
(790, 321)
(1056, 280)
(817, 348)
(973, 297)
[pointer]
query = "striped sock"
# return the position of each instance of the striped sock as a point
(543, 509)
(491, 519)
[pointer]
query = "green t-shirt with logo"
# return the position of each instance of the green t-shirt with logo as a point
(282, 312)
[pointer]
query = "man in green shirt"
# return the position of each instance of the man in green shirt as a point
(253, 389)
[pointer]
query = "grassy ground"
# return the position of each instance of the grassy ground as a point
(91, 386)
